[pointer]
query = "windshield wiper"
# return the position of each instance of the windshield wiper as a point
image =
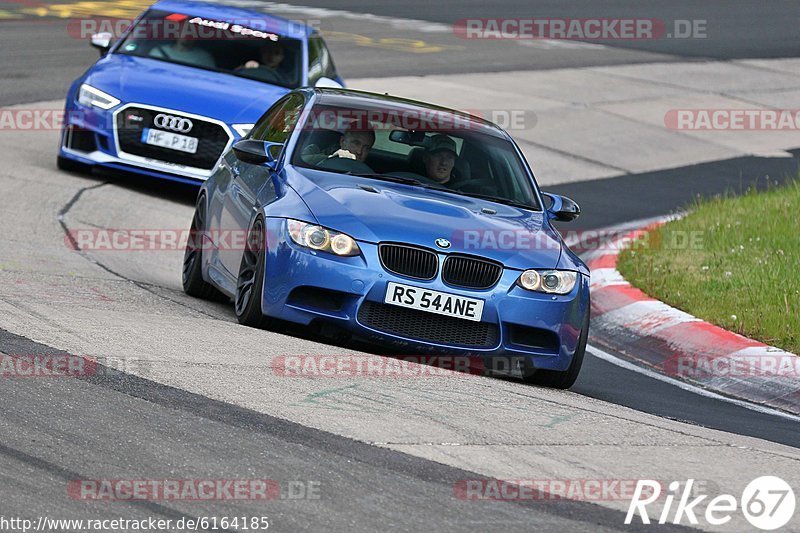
(389, 177)
(498, 199)
(386, 177)
(242, 74)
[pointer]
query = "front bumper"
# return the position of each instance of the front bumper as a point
(91, 136)
(304, 286)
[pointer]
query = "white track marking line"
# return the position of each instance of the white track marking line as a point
(606, 277)
(605, 356)
(646, 318)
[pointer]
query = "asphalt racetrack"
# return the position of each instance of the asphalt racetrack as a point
(188, 393)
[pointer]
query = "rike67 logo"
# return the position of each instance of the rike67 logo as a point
(767, 502)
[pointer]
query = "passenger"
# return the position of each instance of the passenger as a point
(440, 158)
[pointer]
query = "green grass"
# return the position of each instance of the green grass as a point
(741, 271)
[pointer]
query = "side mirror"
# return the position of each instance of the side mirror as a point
(257, 152)
(102, 41)
(562, 208)
(327, 82)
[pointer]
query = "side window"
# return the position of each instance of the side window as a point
(278, 122)
(320, 62)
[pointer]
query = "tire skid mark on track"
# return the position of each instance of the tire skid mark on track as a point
(312, 439)
(70, 475)
(65, 209)
(144, 286)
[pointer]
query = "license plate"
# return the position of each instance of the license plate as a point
(437, 302)
(167, 139)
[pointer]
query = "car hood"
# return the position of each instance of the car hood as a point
(149, 81)
(398, 213)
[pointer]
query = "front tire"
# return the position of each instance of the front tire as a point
(250, 283)
(556, 379)
(193, 282)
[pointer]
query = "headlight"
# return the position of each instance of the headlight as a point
(322, 239)
(89, 96)
(549, 281)
(243, 129)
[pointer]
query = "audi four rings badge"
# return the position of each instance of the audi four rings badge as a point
(169, 122)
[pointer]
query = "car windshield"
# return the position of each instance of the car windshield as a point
(241, 48)
(417, 146)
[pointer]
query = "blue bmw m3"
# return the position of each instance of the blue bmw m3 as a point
(415, 226)
(182, 84)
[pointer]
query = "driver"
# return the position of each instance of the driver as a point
(357, 141)
(184, 50)
(271, 56)
(440, 158)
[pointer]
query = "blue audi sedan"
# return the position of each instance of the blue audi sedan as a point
(414, 226)
(182, 84)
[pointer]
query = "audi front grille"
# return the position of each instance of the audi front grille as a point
(212, 137)
(409, 261)
(471, 272)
